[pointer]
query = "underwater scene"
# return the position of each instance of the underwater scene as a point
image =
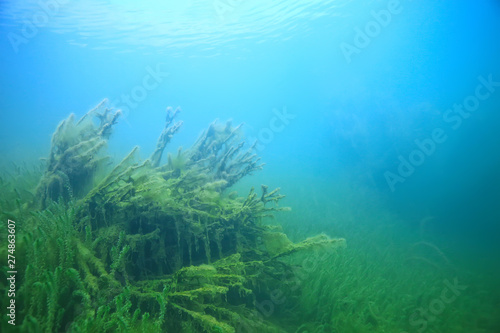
(249, 166)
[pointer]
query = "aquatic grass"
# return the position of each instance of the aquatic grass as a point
(386, 275)
(153, 247)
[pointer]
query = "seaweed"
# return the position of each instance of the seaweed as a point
(75, 154)
(151, 246)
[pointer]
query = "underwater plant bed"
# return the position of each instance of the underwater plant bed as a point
(151, 247)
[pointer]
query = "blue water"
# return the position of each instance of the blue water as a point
(335, 111)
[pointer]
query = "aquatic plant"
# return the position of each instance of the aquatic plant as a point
(152, 246)
(75, 155)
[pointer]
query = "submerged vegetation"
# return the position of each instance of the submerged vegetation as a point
(146, 246)
(150, 247)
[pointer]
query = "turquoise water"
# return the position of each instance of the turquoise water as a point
(377, 119)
